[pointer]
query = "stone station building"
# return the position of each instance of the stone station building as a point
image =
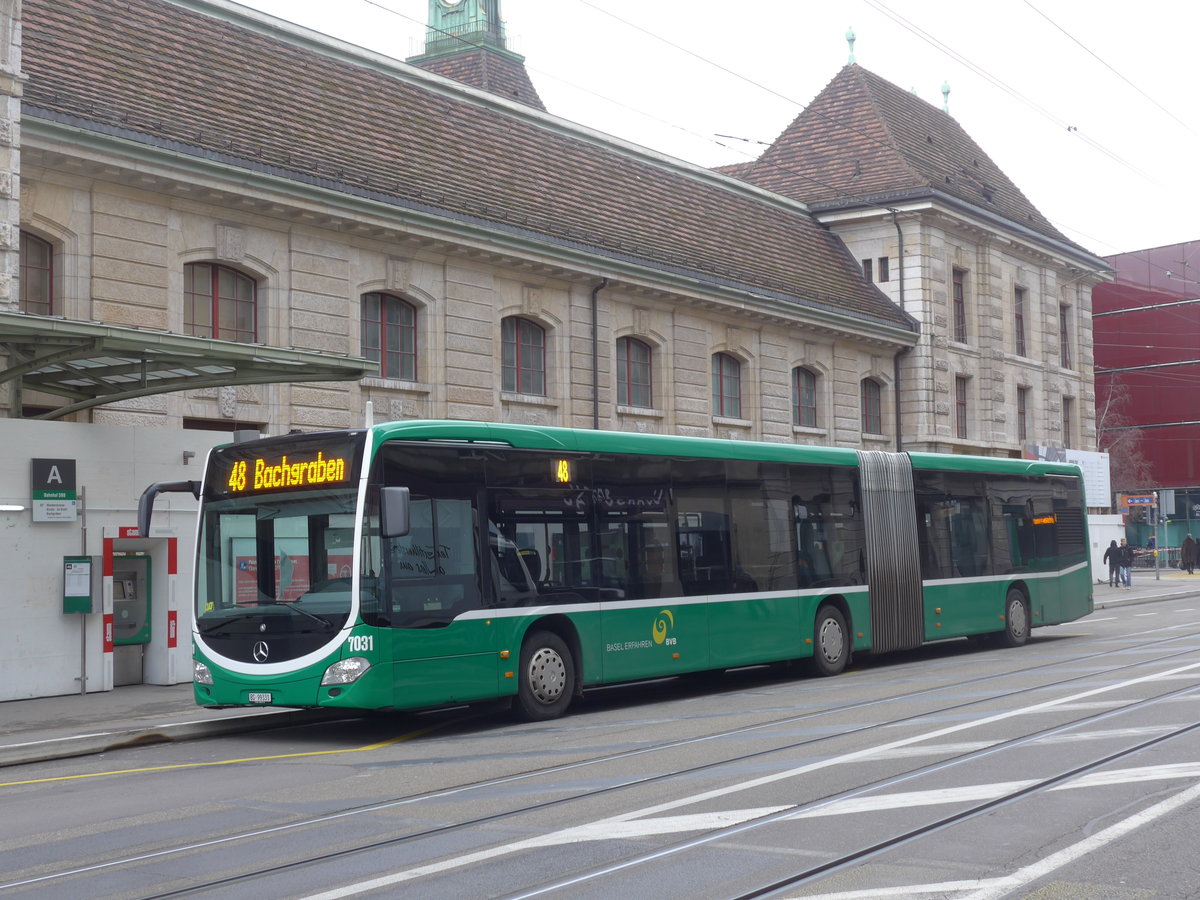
(279, 230)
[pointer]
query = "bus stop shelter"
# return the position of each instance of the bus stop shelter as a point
(87, 364)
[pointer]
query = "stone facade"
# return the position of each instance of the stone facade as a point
(926, 212)
(10, 150)
(994, 267)
(312, 269)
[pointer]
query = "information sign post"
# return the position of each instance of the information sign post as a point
(80, 583)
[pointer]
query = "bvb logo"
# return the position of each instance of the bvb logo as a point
(663, 623)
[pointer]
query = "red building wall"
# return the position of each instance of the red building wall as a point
(1146, 329)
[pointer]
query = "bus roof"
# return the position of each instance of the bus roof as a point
(537, 437)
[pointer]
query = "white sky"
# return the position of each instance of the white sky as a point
(1089, 106)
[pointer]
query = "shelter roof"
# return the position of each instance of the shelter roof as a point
(89, 363)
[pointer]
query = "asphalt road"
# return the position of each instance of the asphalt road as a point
(1066, 768)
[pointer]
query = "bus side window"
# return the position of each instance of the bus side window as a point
(954, 526)
(828, 532)
(631, 501)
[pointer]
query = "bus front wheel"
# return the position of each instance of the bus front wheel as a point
(831, 642)
(547, 677)
(1016, 620)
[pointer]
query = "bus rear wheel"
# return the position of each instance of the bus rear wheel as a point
(1016, 620)
(831, 642)
(547, 677)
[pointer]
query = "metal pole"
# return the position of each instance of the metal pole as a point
(83, 616)
(1158, 545)
(82, 654)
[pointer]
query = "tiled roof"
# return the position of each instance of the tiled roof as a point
(169, 76)
(499, 73)
(864, 138)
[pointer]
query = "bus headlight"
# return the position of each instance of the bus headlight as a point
(345, 671)
(201, 673)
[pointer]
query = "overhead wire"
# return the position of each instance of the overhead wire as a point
(921, 33)
(1108, 66)
(1008, 89)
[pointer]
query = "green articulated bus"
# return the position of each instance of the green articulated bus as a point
(419, 564)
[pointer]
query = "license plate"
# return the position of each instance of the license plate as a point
(254, 697)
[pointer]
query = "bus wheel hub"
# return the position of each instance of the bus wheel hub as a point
(547, 675)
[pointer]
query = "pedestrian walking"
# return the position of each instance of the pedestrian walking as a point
(1125, 560)
(1188, 551)
(1114, 567)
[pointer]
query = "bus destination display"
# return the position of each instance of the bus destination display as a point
(263, 467)
(262, 474)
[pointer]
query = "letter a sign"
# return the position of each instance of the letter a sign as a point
(53, 489)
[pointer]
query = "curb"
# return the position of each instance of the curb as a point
(1116, 602)
(103, 741)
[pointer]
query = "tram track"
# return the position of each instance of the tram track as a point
(811, 873)
(866, 852)
(806, 744)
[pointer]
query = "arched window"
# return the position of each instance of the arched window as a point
(523, 357)
(804, 397)
(726, 386)
(389, 335)
(872, 410)
(633, 373)
(37, 275)
(220, 302)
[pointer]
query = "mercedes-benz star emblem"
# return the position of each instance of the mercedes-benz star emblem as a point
(260, 651)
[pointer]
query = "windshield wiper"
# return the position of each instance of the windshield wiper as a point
(304, 612)
(217, 626)
(228, 620)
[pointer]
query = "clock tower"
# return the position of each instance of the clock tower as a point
(456, 24)
(465, 41)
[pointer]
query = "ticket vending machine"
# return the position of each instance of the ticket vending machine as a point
(131, 616)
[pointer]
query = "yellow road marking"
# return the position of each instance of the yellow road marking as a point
(421, 732)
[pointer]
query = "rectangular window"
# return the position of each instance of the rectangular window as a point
(884, 273)
(632, 501)
(633, 373)
(1064, 335)
(704, 529)
(389, 332)
(954, 535)
(1068, 409)
(1022, 414)
(960, 306)
(37, 275)
(804, 398)
(829, 534)
(522, 357)
(1038, 522)
(872, 408)
(960, 407)
(867, 270)
(1019, 320)
(726, 386)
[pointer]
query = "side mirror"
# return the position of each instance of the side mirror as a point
(146, 501)
(393, 512)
